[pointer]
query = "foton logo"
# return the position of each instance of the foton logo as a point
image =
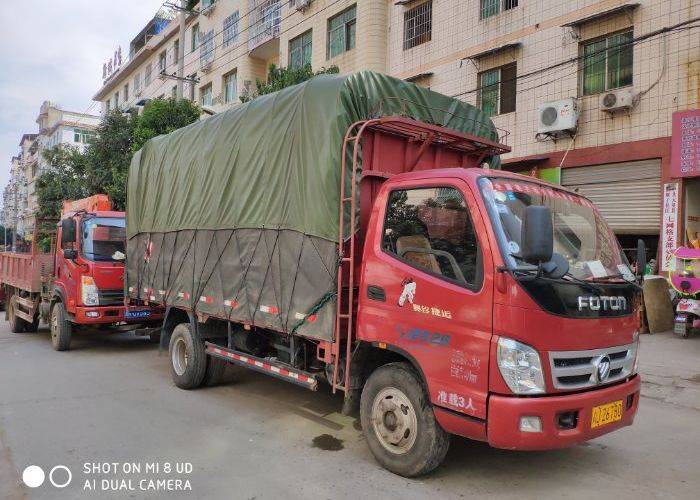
(602, 303)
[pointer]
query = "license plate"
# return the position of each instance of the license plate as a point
(606, 414)
(680, 326)
(137, 314)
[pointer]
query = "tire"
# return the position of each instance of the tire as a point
(17, 324)
(214, 372)
(188, 361)
(423, 444)
(33, 326)
(61, 328)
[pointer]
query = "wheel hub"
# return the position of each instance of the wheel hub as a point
(394, 420)
(180, 356)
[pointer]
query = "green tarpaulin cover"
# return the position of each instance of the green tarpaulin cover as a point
(236, 216)
(274, 162)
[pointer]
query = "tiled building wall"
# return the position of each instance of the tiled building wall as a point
(458, 33)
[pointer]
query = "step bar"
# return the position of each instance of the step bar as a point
(276, 370)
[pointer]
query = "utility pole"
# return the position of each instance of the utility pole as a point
(181, 50)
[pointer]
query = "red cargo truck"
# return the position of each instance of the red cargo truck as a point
(463, 300)
(79, 282)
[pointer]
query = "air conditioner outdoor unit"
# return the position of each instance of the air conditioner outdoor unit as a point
(206, 66)
(617, 100)
(302, 4)
(558, 117)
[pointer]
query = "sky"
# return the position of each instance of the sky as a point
(53, 50)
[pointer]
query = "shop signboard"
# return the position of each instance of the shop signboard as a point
(669, 228)
(685, 144)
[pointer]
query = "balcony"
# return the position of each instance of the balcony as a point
(264, 31)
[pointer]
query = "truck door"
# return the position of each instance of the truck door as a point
(66, 269)
(426, 287)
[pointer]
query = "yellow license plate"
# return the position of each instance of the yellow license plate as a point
(606, 414)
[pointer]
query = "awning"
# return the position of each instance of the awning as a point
(523, 162)
(495, 50)
(630, 6)
(419, 76)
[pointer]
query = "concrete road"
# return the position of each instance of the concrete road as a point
(110, 399)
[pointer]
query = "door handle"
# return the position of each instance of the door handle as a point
(375, 292)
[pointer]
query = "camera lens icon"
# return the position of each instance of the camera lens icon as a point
(34, 476)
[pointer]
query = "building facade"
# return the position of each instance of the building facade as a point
(586, 89)
(57, 126)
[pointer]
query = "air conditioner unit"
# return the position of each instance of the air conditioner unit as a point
(302, 5)
(558, 117)
(206, 66)
(617, 100)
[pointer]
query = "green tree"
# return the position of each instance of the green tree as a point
(279, 78)
(104, 165)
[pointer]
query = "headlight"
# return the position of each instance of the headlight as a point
(520, 366)
(88, 291)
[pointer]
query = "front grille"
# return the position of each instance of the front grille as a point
(111, 297)
(578, 369)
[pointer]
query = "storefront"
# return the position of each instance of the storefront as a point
(625, 181)
(685, 179)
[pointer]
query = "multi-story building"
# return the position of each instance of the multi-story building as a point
(56, 127)
(585, 88)
(229, 44)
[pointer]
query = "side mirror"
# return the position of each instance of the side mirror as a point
(641, 258)
(537, 235)
(67, 232)
(70, 254)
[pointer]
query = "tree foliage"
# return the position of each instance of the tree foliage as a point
(104, 165)
(279, 78)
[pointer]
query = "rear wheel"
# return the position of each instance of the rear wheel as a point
(61, 328)
(399, 422)
(17, 324)
(188, 361)
(33, 326)
(214, 372)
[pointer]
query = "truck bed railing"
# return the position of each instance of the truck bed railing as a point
(474, 150)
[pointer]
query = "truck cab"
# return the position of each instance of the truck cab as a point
(524, 340)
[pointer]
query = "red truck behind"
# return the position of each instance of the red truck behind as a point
(80, 282)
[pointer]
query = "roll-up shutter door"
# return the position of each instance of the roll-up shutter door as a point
(627, 194)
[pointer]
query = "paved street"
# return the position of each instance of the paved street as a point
(110, 399)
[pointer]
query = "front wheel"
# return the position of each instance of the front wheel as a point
(399, 422)
(188, 361)
(61, 328)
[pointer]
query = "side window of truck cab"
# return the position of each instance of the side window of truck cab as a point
(430, 229)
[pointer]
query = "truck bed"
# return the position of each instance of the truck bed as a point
(25, 270)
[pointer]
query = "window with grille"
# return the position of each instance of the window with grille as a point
(300, 50)
(137, 82)
(607, 63)
(126, 93)
(147, 75)
(230, 87)
(176, 52)
(230, 29)
(497, 89)
(162, 61)
(490, 8)
(417, 25)
(341, 32)
(206, 52)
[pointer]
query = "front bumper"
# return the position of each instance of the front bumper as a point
(101, 315)
(504, 414)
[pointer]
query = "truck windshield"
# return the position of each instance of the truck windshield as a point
(103, 238)
(580, 233)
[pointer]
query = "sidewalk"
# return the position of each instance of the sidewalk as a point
(670, 369)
